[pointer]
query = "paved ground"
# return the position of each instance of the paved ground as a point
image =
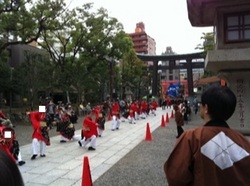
(63, 164)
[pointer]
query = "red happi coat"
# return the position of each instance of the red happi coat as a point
(2, 115)
(99, 117)
(96, 111)
(144, 106)
(67, 129)
(7, 143)
(89, 128)
(132, 110)
(137, 107)
(115, 109)
(36, 118)
(153, 105)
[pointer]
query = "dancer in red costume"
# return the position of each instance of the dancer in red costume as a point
(8, 141)
(132, 112)
(115, 116)
(65, 127)
(40, 136)
(153, 107)
(9, 144)
(99, 119)
(144, 108)
(89, 132)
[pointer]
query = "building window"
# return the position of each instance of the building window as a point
(237, 27)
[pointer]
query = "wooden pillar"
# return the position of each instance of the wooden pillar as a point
(155, 78)
(190, 77)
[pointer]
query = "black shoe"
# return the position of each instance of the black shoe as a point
(91, 148)
(177, 137)
(63, 141)
(117, 128)
(34, 156)
(42, 155)
(20, 163)
(113, 129)
(99, 135)
(80, 144)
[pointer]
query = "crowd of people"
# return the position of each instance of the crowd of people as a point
(63, 118)
(213, 147)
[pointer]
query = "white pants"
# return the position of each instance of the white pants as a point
(131, 120)
(115, 123)
(153, 112)
(100, 131)
(36, 144)
(91, 140)
(143, 115)
(137, 116)
(19, 157)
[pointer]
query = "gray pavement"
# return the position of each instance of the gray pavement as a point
(63, 163)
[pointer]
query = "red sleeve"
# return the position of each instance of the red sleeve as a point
(2, 115)
(33, 118)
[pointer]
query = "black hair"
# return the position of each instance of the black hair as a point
(9, 172)
(221, 102)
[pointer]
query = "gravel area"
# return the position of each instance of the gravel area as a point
(143, 166)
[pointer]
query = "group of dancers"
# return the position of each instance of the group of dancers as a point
(93, 125)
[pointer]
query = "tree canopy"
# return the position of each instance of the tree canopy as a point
(83, 49)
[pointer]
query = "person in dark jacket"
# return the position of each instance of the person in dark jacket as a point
(179, 120)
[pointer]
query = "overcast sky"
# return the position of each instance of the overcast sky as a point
(165, 20)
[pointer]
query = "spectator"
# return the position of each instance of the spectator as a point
(212, 154)
(178, 120)
(51, 111)
(88, 108)
(9, 172)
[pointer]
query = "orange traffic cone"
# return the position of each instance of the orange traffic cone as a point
(148, 134)
(162, 121)
(167, 119)
(172, 115)
(86, 175)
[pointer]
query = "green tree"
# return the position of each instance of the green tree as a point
(83, 44)
(208, 44)
(23, 21)
(133, 70)
(33, 75)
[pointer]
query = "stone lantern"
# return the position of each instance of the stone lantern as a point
(128, 92)
(231, 55)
